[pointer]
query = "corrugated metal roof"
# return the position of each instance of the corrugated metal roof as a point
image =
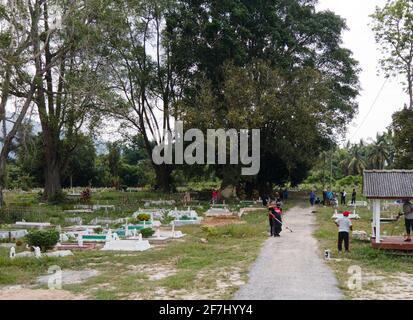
(388, 184)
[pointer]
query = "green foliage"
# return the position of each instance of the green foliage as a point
(393, 25)
(43, 239)
(209, 230)
(147, 232)
(143, 217)
(403, 138)
(350, 181)
(342, 165)
(98, 230)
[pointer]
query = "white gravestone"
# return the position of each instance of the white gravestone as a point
(37, 252)
(12, 254)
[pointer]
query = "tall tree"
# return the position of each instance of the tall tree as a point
(379, 153)
(402, 127)
(62, 40)
(393, 27)
(139, 72)
(17, 84)
(293, 39)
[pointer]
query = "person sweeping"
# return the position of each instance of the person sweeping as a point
(275, 220)
(344, 226)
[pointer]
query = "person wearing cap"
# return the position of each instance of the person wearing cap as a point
(344, 226)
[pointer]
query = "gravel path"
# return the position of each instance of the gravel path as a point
(290, 267)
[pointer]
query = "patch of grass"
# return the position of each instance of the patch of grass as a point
(181, 280)
(361, 253)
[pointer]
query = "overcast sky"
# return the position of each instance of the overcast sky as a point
(360, 39)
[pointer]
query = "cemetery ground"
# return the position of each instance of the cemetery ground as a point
(385, 274)
(208, 263)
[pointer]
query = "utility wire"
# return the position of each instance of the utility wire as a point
(370, 110)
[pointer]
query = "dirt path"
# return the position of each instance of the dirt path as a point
(290, 267)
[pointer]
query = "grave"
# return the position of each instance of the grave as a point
(39, 225)
(362, 204)
(251, 203)
(243, 211)
(75, 246)
(77, 220)
(104, 221)
(360, 235)
(69, 276)
(94, 237)
(218, 211)
(94, 207)
(127, 245)
(156, 214)
(159, 202)
(79, 211)
(38, 254)
(184, 217)
(6, 234)
(75, 231)
(173, 234)
(352, 216)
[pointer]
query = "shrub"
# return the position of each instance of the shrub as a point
(99, 230)
(210, 231)
(143, 217)
(147, 232)
(43, 239)
(86, 195)
(185, 217)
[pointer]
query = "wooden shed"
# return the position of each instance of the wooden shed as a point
(381, 185)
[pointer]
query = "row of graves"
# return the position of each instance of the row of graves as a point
(138, 232)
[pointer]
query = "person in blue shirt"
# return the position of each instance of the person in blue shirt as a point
(312, 198)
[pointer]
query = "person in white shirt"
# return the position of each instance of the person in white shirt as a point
(344, 226)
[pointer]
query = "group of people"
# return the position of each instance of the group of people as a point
(330, 198)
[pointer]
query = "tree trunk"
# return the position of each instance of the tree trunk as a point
(3, 171)
(53, 185)
(410, 85)
(164, 177)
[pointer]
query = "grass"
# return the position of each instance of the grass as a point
(195, 264)
(361, 254)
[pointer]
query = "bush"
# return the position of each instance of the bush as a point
(210, 231)
(43, 239)
(143, 217)
(99, 230)
(86, 195)
(185, 217)
(147, 232)
(350, 181)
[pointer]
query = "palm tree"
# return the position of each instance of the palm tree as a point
(379, 153)
(356, 164)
